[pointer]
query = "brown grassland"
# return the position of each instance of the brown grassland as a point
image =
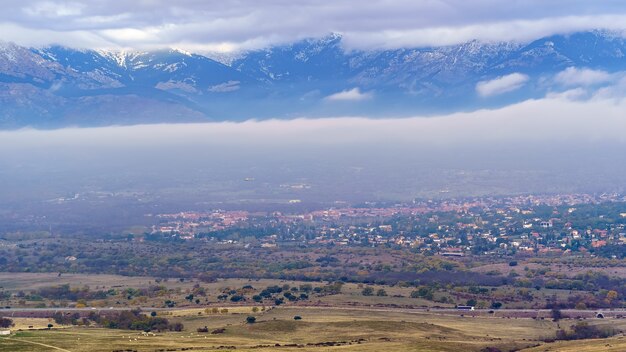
(321, 329)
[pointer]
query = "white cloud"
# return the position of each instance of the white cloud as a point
(53, 10)
(225, 87)
(615, 91)
(597, 119)
(502, 84)
(232, 25)
(571, 94)
(353, 94)
(573, 76)
(523, 30)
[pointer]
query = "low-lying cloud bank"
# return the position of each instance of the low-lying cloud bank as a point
(567, 142)
(559, 118)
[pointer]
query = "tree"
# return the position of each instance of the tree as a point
(381, 292)
(50, 326)
(255, 309)
(297, 317)
(237, 298)
(368, 291)
(250, 320)
(423, 292)
(6, 323)
(153, 314)
(611, 296)
(556, 314)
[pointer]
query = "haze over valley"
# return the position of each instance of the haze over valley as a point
(551, 145)
(354, 176)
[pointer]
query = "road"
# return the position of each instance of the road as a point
(22, 312)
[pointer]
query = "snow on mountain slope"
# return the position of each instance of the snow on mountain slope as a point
(43, 86)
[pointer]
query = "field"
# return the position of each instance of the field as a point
(321, 329)
(350, 295)
(346, 320)
(31, 281)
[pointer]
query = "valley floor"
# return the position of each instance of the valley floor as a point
(320, 329)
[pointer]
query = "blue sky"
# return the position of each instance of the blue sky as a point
(232, 25)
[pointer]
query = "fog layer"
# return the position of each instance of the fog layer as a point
(540, 146)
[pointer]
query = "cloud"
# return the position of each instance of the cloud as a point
(53, 10)
(615, 91)
(573, 76)
(597, 119)
(571, 94)
(353, 94)
(225, 87)
(527, 147)
(233, 25)
(501, 85)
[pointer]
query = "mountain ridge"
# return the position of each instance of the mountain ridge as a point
(57, 86)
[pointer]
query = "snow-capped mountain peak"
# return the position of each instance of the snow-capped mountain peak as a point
(53, 83)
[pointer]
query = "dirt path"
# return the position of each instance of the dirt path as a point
(38, 343)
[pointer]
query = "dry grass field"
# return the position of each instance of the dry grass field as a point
(34, 323)
(32, 281)
(321, 329)
(351, 293)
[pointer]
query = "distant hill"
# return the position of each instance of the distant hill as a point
(57, 86)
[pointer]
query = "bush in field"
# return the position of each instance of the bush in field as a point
(6, 323)
(250, 320)
(423, 292)
(368, 291)
(582, 330)
(556, 314)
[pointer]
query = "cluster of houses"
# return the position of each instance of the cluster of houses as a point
(448, 227)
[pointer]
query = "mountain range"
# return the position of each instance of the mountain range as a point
(56, 86)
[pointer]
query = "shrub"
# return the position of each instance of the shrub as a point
(6, 323)
(582, 330)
